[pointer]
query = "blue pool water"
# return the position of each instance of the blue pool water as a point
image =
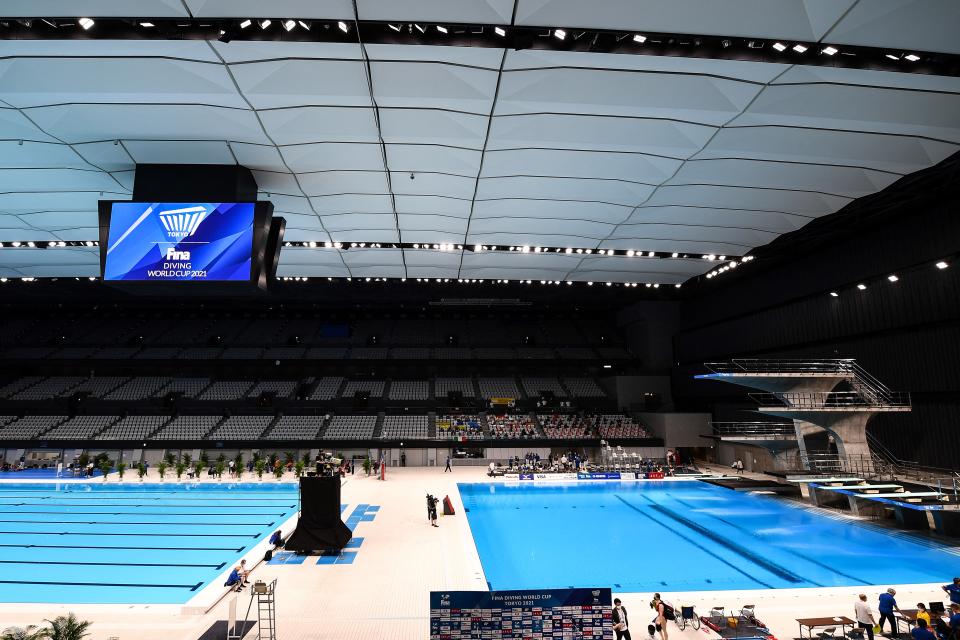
(136, 543)
(681, 536)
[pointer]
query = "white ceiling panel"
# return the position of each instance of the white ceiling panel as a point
(794, 19)
(433, 126)
(433, 204)
(565, 131)
(431, 228)
(484, 11)
(551, 210)
(632, 167)
(107, 155)
(439, 85)
(334, 156)
(331, 9)
(105, 8)
(371, 257)
(926, 25)
(258, 156)
(304, 125)
(31, 180)
(276, 182)
(291, 83)
(351, 203)
(38, 155)
(726, 197)
(412, 158)
(58, 220)
(335, 222)
(16, 126)
(426, 184)
(30, 82)
(582, 189)
(588, 232)
(328, 183)
(172, 152)
(767, 221)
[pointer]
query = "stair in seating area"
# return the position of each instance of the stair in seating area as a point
(432, 424)
(485, 425)
(536, 425)
(378, 429)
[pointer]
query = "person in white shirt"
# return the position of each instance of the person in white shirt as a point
(864, 615)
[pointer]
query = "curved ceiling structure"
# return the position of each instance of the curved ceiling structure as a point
(393, 143)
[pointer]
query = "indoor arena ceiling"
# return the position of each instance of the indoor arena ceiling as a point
(533, 147)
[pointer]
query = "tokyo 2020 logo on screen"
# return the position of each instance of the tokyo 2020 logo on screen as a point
(180, 241)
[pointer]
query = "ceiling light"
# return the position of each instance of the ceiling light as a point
(525, 249)
(246, 23)
(568, 250)
(265, 23)
(829, 51)
(147, 24)
(559, 34)
(477, 248)
(942, 265)
(589, 284)
(677, 286)
(419, 28)
(834, 294)
(675, 254)
(640, 38)
(650, 254)
(500, 31)
(892, 278)
(631, 253)
(441, 28)
(31, 244)
(779, 46)
(343, 26)
(912, 57)
(289, 24)
(305, 25)
(799, 48)
(396, 28)
(607, 366)
(862, 287)
(86, 23)
(893, 57)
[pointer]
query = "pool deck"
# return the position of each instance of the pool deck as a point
(383, 593)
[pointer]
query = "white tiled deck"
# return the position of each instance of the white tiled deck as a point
(384, 594)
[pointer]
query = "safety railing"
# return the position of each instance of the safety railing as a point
(829, 463)
(755, 429)
(811, 400)
(838, 366)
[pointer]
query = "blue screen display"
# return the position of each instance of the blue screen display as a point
(164, 241)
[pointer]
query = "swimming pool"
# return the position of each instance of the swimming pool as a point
(137, 543)
(681, 536)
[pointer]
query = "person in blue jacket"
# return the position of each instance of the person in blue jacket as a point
(888, 604)
(953, 590)
(922, 632)
(955, 619)
(234, 579)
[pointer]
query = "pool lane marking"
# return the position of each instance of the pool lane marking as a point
(78, 547)
(796, 553)
(116, 564)
(693, 542)
(776, 570)
(191, 587)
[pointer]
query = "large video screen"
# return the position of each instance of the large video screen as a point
(174, 241)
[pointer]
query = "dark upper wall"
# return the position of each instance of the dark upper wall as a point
(906, 333)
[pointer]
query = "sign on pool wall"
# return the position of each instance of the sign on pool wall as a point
(540, 613)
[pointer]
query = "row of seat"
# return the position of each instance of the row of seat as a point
(32, 388)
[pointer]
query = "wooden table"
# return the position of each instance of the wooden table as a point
(812, 623)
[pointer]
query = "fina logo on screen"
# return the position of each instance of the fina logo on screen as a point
(182, 223)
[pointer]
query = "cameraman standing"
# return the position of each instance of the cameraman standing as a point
(432, 510)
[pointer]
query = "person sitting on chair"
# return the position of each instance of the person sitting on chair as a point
(922, 631)
(620, 620)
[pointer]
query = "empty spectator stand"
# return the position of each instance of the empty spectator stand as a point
(498, 388)
(281, 388)
(296, 428)
(29, 427)
(55, 387)
(567, 426)
(373, 387)
(535, 387)
(327, 388)
(139, 388)
(80, 428)
(188, 387)
(465, 386)
(409, 390)
(15, 386)
(619, 426)
(99, 386)
(416, 427)
(583, 388)
(351, 428)
(241, 427)
(226, 390)
(187, 428)
(133, 428)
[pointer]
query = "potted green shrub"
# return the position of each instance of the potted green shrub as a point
(259, 466)
(278, 470)
(238, 464)
(198, 467)
(105, 467)
(180, 468)
(162, 469)
(141, 471)
(121, 467)
(67, 627)
(31, 632)
(367, 465)
(170, 458)
(298, 469)
(221, 465)
(83, 460)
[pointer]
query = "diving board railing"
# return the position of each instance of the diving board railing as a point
(838, 366)
(777, 430)
(831, 400)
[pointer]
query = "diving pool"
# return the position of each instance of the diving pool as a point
(130, 544)
(682, 536)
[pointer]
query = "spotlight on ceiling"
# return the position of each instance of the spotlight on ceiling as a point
(799, 48)
(892, 278)
(441, 28)
(893, 57)
(559, 34)
(86, 23)
(265, 23)
(675, 255)
(779, 46)
(395, 27)
(639, 38)
(304, 24)
(500, 31)
(942, 265)
(288, 25)
(834, 294)
(419, 28)
(246, 23)
(343, 26)
(830, 51)
(862, 287)
(147, 25)
(912, 57)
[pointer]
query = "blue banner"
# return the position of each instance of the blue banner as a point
(599, 475)
(526, 476)
(162, 241)
(541, 613)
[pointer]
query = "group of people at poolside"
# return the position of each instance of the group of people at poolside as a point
(664, 612)
(237, 579)
(930, 625)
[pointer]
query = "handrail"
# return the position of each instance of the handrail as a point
(829, 399)
(842, 366)
(754, 428)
